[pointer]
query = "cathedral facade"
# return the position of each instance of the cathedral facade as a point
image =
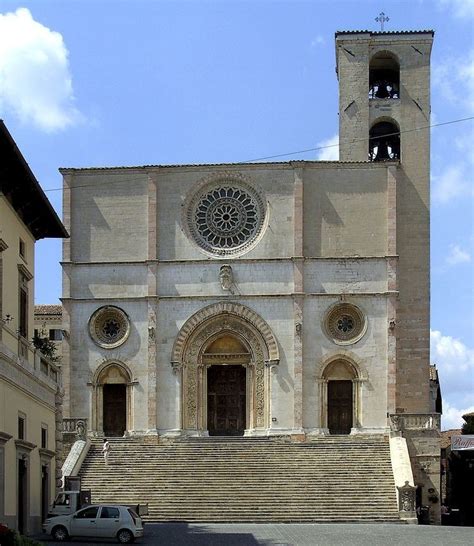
(267, 298)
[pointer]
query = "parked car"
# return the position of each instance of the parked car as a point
(97, 521)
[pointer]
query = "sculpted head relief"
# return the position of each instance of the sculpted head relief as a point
(226, 277)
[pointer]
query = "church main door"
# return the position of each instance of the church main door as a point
(340, 407)
(115, 409)
(226, 400)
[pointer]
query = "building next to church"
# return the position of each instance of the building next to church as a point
(47, 321)
(265, 299)
(30, 396)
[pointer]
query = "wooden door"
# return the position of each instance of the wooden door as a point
(115, 410)
(340, 407)
(226, 400)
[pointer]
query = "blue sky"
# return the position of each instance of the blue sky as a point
(103, 83)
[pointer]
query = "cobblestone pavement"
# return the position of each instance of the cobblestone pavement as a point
(295, 535)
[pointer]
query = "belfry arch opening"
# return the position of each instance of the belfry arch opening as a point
(384, 76)
(384, 141)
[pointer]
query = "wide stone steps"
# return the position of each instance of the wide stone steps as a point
(248, 480)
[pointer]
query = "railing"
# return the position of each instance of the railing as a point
(415, 421)
(46, 367)
(77, 426)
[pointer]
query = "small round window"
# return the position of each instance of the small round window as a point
(345, 323)
(109, 327)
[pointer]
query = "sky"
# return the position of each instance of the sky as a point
(117, 83)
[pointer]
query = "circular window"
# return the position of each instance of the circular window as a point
(345, 323)
(109, 326)
(226, 216)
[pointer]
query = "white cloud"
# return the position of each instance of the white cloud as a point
(318, 40)
(35, 81)
(457, 255)
(459, 8)
(453, 182)
(454, 79)
(452, 417)
(330, 149)
(455, 363)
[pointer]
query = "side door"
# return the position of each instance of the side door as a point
(108, 522)
(84, 522)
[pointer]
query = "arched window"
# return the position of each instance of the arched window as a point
(384, 76)
(384, 142)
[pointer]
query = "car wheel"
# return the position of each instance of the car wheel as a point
(125, 536)
(60, 533)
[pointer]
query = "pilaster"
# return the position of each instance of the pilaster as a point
(298, 298)
(152, 301)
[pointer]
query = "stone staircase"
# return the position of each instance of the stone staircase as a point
(332, 479)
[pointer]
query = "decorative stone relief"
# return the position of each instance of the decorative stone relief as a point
(226, 277)
(406, 498)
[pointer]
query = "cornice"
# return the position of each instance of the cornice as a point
(23, 444)
(25, 272)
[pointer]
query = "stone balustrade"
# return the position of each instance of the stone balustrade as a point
(415, 421)
(77, 426)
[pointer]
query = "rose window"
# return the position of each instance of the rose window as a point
(345, 323)
(226, 219)
(109, 326)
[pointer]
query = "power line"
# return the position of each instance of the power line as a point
(359, 139)
(315, 149)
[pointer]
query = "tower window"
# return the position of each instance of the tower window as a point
(384, 77)
(384, 142)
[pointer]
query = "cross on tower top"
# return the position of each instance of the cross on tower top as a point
(382, 19)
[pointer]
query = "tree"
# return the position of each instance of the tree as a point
(468, 426)
(48, 348)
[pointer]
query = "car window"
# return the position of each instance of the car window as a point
(133, 514)
(88, 513)
(109, 512)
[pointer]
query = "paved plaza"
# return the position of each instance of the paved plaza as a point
(181, 534)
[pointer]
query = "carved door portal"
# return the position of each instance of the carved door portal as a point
(226, 400)
(115, 409)
(340, 407)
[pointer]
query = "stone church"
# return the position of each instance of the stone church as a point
(286, 299)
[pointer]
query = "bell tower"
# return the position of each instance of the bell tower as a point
(384, 116)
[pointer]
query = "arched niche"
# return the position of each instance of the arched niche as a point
(384, 76)
(112, 399)
(384, 141)
(224, 334)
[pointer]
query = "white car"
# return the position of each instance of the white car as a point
(97, 521)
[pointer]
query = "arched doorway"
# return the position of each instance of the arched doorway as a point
(112, 400)
(226, 359)
(212, 348)
(340, 400)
